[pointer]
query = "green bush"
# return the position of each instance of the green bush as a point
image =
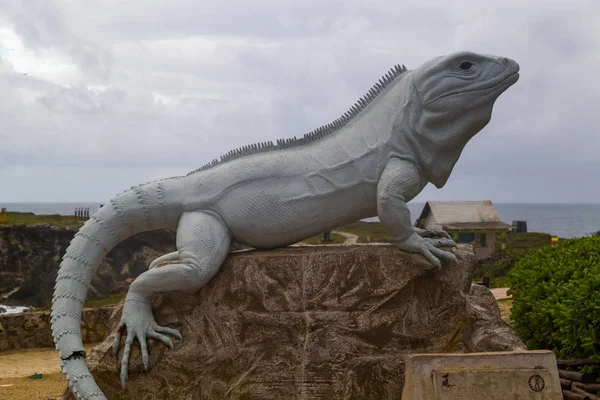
(556, 298)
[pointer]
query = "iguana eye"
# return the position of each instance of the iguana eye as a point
(466, 65)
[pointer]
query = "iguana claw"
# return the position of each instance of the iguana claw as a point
(432, 233)
(443, 242)
(139, 322)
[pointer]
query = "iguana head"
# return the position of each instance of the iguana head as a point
(455, 96)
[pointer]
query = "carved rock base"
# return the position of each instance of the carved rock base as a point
(330, 322)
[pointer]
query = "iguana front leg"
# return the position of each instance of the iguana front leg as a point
(400, 182)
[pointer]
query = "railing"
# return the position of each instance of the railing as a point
(82, 213)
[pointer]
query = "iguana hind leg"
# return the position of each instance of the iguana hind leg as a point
(202, 242)
(167, 258)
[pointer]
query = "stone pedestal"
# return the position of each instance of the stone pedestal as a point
(329, 322)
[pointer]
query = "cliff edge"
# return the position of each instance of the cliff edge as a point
(30, 257)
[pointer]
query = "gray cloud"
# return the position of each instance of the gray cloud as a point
(137, 91)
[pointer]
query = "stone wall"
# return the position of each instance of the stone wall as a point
(30, 257)
(32, 329)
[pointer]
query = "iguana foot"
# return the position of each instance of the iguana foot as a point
(436, 237)
(418, 244)
(443, 242)
(139, 322)
(432, 233)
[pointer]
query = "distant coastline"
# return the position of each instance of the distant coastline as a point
(562, 220)
(49, 208)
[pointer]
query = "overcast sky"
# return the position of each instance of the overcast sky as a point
(97, 96)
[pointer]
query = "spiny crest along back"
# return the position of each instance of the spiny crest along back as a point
(316, 134)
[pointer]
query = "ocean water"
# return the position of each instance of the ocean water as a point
(562, 220)
(12, 309)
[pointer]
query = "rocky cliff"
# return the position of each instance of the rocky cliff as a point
(30, 256)
(320, 322)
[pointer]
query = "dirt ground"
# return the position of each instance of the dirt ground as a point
(505, 306)
(17, 365)
(50, 387)
(500, 293)
(350, 238)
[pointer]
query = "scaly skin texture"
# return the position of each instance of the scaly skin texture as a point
(409, 130)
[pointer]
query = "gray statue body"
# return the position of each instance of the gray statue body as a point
(409, 130)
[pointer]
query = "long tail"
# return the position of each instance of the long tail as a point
(156, 205)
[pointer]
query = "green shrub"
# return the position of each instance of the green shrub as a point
(556, 298)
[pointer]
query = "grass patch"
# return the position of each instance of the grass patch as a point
(376, 231)
(110, 300)
(496, 281)
(336, 239)
(19, 218)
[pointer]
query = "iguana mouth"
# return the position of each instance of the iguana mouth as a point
(512, 78)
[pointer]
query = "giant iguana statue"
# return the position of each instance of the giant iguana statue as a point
(407, 131)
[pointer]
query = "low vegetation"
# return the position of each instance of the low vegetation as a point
(556, 298)
(375, 231)
(509, 249)
(505, 305)
(110, 300)
(335, 239)
(31, 219)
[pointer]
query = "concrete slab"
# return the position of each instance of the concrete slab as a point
(500, 293)
(528, 375)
